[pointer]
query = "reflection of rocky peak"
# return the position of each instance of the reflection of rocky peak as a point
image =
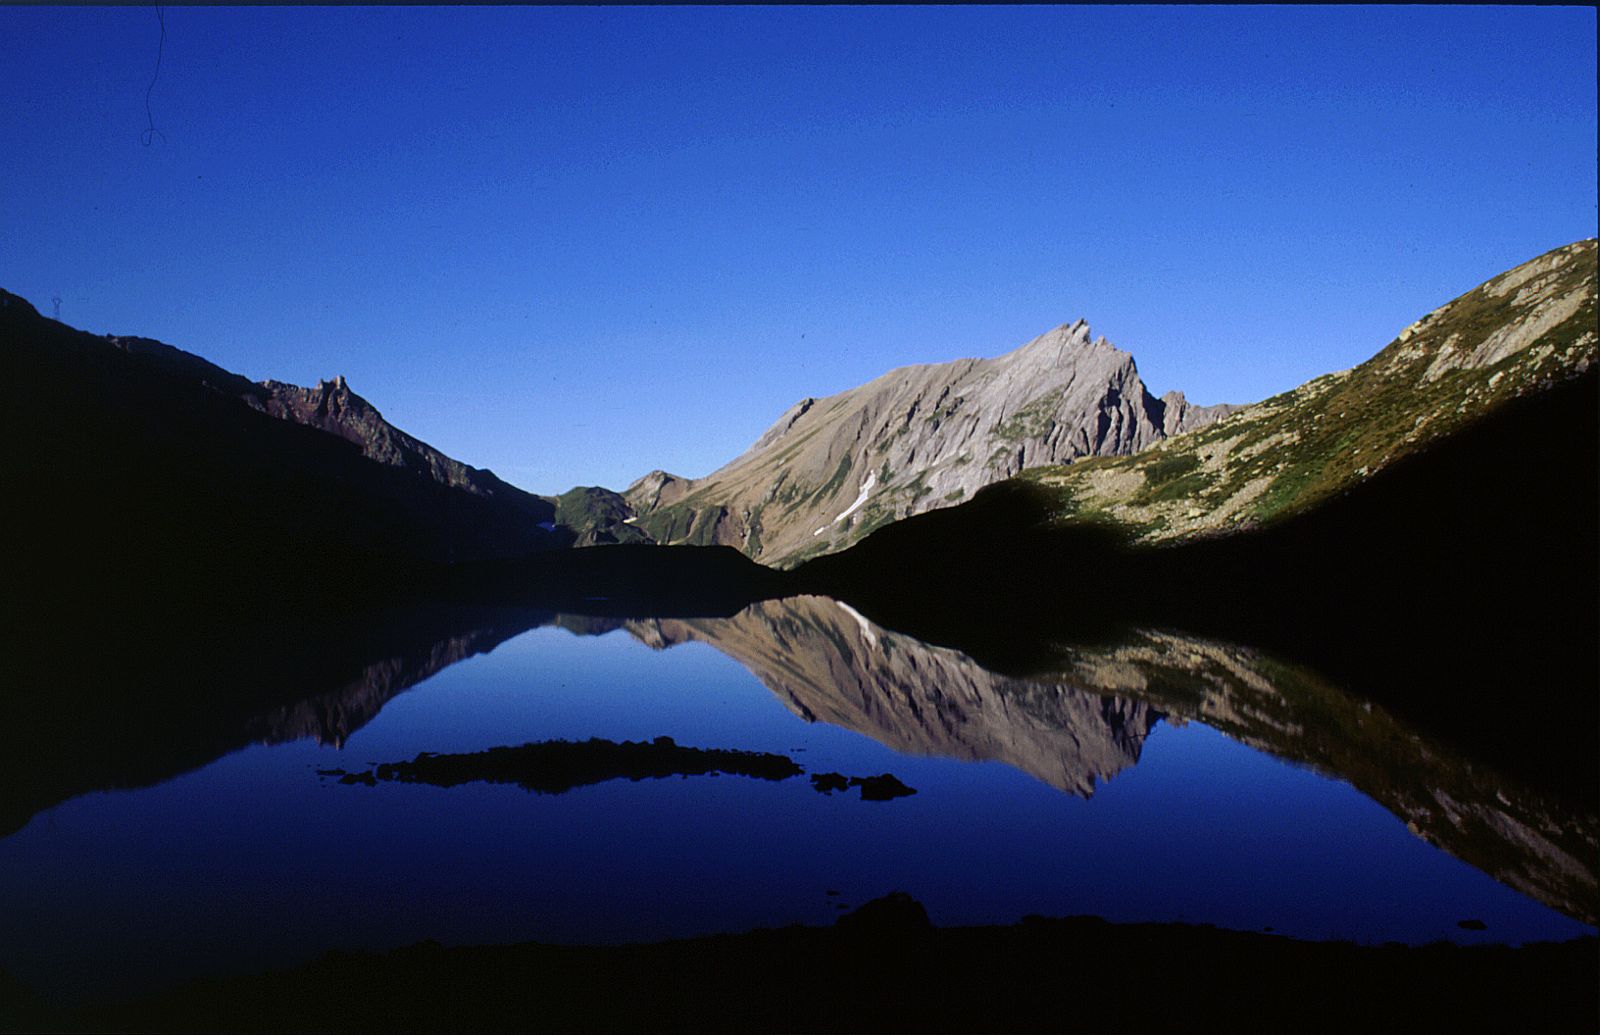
(330, 718)
(1087, 721)
(827, 663)
(152, 702)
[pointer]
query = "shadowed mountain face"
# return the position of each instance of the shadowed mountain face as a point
(141, 464)
(831, 470)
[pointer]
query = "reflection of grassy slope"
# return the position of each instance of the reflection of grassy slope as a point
(1520, 836)
(1288, 453)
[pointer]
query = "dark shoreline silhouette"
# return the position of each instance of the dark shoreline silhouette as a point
(885, 968)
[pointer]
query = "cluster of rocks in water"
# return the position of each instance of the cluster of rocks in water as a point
(884, 787)
(557, 766)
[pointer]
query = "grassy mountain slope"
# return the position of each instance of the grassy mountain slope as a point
(1521, 331)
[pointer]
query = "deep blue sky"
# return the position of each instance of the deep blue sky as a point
(575, 244)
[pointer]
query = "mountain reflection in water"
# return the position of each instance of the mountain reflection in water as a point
(1073, 726)
(1087, 721)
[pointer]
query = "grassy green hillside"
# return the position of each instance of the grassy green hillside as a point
(1526, 329)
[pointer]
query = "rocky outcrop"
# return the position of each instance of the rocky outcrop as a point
(831, 470)
(332, 407)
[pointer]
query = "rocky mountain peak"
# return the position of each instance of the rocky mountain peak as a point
(830, 470)
(658, 488)
(1075, 335)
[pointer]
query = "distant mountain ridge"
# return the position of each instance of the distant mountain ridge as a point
(1066, 412)
(331, 406)
(130, 460)
(832, 470)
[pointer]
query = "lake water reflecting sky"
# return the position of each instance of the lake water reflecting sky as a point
(256, 861)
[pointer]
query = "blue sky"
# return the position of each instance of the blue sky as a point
(572, 245)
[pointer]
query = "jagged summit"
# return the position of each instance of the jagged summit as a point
(830, 470)
(1074, 335)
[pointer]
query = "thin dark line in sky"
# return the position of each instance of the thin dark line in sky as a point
(151, 132)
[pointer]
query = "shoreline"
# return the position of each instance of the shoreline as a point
(884, 967)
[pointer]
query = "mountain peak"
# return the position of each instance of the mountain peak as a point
(832, 470)
(1067, 338)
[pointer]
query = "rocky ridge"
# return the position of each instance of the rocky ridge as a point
(831, 470)
(332, 407)
(194, 458)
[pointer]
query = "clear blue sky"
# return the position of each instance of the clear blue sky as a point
(575, 244)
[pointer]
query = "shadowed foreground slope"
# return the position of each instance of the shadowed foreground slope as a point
(883, 968)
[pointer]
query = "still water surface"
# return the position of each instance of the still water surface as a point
(1029, 800)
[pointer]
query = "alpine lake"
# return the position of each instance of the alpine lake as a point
(781, 765)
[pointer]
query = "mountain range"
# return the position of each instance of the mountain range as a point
(167, 454)
(1068, 413)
